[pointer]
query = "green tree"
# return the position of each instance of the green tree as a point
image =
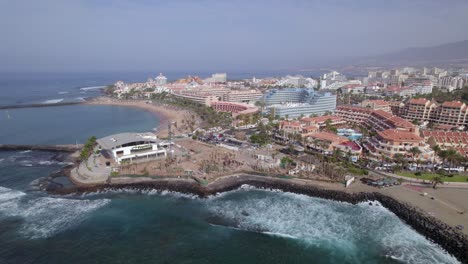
(437, 180)
(414, 151)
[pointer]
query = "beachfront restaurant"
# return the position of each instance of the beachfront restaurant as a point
(130, 147)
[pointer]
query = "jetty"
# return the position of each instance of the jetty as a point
(51, 148)
(4, 107)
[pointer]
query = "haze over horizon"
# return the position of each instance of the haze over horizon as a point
(124, 35)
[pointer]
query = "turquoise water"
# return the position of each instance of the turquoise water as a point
(70, 124)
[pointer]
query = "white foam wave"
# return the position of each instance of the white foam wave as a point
(81, 99)
(328, 224)
(92, 88)
(53, 101)
(2, 160)
(26, 151)
(150, 192)
(46, 216)
(7, 195)
(62, 92)
(50, 162)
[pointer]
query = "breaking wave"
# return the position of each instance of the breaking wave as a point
(150, 192)
(328, 224)
(45, 216)
(53, 101)
(92, 88)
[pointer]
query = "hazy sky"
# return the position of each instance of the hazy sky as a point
(168, 35)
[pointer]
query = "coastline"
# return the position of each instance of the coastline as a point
(452, 240)
(434, 229)
(165, 113)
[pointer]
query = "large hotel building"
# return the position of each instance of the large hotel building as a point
(296, 102)
(393, 134)
(453, 113)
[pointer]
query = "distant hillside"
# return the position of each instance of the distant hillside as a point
(446, 53)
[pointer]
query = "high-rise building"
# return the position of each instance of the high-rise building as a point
(294, 102)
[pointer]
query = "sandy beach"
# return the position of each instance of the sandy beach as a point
(165, 113)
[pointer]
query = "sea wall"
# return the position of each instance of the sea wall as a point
(447, 237)
(50, 148)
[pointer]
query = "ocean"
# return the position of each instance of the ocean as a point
(129, 226)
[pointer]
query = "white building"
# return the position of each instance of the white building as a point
(128, 147)
(422, 89)
(161, 80)
(217, 78)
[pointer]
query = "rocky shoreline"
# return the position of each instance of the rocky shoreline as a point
(447, 237)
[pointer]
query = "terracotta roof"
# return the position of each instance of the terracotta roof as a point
(352, 145)
(462, 151)
(393, 119)
(453, 104)
(290, 123)
(419, 101)
(311, 128)
(441, 137)
(399, 135)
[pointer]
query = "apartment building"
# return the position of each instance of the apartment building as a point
(380, 120)
(296, 127)
(204, 99)
(419, 109)
(452, 113)
(353, 114)
(242, 96)
(389, 142)
(375, 120)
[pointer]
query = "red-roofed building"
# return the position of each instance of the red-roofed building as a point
(380, 120)
(353, 114)
(452, 113)
(329, 141)
(296, 127)
(376, 120)
(389, 142)
(419, 109)
(447, 140)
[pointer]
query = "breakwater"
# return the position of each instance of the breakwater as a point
(17, 106)
(447, 237)
(50, 148)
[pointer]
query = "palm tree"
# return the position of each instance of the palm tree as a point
(453, 157)
(437, 180)
(443, 154)
(399, 159)
(414, 151)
